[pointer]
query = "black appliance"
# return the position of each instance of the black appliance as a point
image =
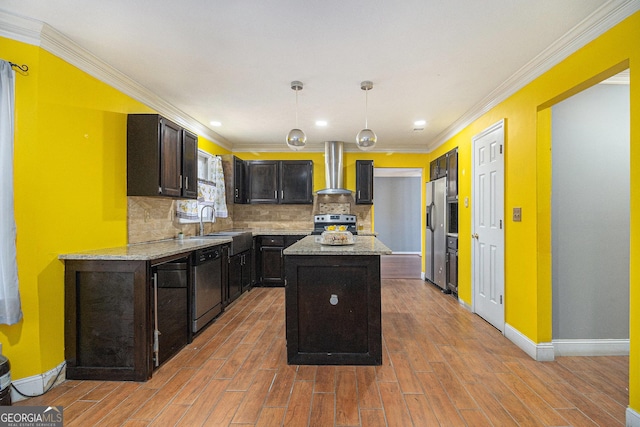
(171, 313)
(320, 222)
(207, 286)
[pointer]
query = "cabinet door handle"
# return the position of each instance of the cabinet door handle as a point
(186, 182)
(358, 194)
(275, 194)
(281, 194)
(181, 182)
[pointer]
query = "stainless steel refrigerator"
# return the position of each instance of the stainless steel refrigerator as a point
(435, 268)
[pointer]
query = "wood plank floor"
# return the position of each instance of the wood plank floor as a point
(442, 366)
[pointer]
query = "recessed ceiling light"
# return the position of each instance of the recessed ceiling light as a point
(321, 123)
(215, 123)
(420, 123)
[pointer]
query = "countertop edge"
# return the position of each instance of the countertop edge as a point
(364, 245)
(145, 251)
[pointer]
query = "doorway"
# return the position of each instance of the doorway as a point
(590, 216)
(398, 219)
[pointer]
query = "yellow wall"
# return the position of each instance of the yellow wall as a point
(528, 185)
(70, 191)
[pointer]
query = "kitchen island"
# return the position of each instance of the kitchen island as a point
(333, 307)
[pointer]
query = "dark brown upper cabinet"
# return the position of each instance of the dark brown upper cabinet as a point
(280, 181)
(438, 167)
(364, 182)
(239, 180)
(189, 165)
(263, 181)
(162, 158)
(452, 175)
(296, 181)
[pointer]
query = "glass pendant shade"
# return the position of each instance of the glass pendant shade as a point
(366, 139)
(296, 139)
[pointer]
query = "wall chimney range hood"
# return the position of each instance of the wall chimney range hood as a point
(334, 168)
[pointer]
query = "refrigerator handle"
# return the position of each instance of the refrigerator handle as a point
(430, 219)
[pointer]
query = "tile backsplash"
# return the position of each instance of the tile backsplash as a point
(153, 218)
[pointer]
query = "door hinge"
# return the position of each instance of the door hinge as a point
(500, 148)
(500, 224)
(500, 299)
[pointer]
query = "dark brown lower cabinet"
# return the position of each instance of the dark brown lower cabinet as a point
(108, 320)
(240, 273)
(270, 259)
(110, 312)
(452, 264)
(333, 311)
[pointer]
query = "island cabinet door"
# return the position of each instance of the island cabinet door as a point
(333, 310)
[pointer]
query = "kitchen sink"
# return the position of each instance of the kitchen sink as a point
(241, 240)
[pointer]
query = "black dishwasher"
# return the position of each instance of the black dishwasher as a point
(206, 299)
(172, 314)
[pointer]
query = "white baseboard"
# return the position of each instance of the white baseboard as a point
(542, 352)
(465, 305)
(599, 347)
(37, 384)
(633, 418)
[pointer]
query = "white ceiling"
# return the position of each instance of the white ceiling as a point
(233, 61)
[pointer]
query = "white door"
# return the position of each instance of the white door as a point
(487, 195)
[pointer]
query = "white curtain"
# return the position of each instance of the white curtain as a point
(216, 175)
(10, 311)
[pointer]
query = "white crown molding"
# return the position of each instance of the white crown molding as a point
(319, 148)
(604, 18)
(21, 29)
(45, 36)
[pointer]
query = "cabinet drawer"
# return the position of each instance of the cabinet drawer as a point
(272, 241)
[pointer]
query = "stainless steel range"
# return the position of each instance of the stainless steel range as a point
(325, 220)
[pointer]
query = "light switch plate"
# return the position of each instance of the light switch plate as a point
(517, 214)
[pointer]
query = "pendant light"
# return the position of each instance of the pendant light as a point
(366, 138)
(296, 139)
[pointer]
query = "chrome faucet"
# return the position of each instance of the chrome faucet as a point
(213, 212)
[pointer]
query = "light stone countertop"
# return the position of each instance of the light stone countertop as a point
(146, 251)
(272, 232)
(364, 245)
(164, 248)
